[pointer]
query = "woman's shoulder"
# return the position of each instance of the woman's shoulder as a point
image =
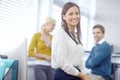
(59, 30)
(37, 34)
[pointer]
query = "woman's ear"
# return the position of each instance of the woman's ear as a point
(63, 16)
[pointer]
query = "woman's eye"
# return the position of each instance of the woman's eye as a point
(71, 14)
(77, 13)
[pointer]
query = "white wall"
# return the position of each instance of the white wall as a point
(44, 11)
(108, 14)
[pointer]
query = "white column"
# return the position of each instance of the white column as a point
(44, 11)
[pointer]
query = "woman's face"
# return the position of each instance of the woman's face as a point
(72, 16)
(50, 27)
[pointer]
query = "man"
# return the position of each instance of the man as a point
(99, 60)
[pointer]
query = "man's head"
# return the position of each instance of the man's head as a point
(98, 32)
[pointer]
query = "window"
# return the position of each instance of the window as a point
(18, 18)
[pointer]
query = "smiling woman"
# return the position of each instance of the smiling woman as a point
(85, 17)
(67, 49)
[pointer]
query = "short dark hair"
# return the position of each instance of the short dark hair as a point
(100, 27)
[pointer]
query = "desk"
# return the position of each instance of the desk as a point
(32, 62)
(115, 59)
(30, 69)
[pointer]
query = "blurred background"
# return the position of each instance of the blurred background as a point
(24, 17)
(20, 19)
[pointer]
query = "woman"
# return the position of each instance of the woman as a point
(67, 49)
(40, 48)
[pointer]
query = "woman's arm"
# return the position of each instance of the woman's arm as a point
(48, 58)
(83, 76)
(32, 45)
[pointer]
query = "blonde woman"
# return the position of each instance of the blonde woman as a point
(40, 48)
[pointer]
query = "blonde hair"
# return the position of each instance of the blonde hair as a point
(48, 20)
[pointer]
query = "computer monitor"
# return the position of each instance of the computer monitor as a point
(16, 48)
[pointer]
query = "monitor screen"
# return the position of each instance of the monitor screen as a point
(15, 48)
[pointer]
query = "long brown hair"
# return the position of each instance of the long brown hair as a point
(65, 8)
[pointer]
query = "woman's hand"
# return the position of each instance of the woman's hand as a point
(48, 58)
(83, 76)
(86, 78)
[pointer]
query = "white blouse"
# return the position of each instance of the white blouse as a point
(66, 53)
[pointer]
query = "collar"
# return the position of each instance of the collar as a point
(100, 42)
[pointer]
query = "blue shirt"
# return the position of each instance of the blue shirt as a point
(99, 60)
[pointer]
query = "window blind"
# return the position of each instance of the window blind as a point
(17, 17)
